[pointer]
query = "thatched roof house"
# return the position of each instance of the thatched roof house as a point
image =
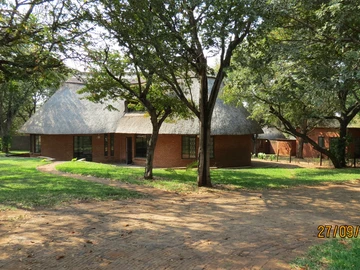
(68, 126)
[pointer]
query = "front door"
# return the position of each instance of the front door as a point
(83, 147)
(128, 150)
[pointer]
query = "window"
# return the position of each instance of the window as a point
(112, 139)
(106, 152)
(83, 147)
(321, 141)
(36, 143)
(141, 145)
(188, 148)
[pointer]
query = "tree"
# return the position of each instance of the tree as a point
(304, 70)
(179, 35)
(123, 66)
(117, 77)
(33, 34)
(17, 95)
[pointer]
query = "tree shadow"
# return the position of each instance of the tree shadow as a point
(220, 230)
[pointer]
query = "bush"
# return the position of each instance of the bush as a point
(262, 155)
(272, 157)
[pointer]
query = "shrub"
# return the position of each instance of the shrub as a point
(262, 155)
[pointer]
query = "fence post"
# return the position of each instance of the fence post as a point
(277, 156)
(320, 159)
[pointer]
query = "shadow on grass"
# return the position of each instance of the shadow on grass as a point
(246, 178)
(22, 186)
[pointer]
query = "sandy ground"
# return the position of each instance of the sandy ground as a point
(209, 230)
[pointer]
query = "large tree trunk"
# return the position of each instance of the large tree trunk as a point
(6, 136)
(341, 144)
(5, 144)
(204, 179)
(151, 144)
(300, 148)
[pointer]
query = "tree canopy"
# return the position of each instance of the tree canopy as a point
(304, 70)
(33, 35)
(173, 39)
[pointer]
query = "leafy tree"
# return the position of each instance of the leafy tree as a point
(304, 70)
(174, 38)
(18, 95)
(33, 35)
(117, 77)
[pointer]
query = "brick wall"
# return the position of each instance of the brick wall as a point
(229, 151)
(59, 147)
(327, 133)
(285, 147)
(232, 150)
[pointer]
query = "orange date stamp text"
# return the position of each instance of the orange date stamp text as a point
(343, 231)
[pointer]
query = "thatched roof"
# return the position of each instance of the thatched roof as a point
(68, 113)
(227, 120)
(271, 133)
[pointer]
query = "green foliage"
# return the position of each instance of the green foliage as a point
(22, 186)
(272, 157)
(171, 41)
(30, 67)
(333, 254)
(302, 70)
(262, 155)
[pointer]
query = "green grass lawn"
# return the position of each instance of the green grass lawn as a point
(334, 254)
(185, 180)
(22, 186)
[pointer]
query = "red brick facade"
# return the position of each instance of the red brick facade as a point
(326, 133)
(284, 147)
(229, 150)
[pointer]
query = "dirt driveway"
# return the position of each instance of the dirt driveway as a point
(209, 230)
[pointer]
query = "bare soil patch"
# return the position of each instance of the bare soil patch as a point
(209, 230)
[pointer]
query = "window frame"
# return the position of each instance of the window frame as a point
(112, 144)
(322, 140)
(185, 143)
(106, 145)
(145, 139)
(80, 147)
(212, 147)
(36, 140)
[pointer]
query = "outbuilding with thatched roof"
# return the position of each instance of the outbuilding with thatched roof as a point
(70, 126)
